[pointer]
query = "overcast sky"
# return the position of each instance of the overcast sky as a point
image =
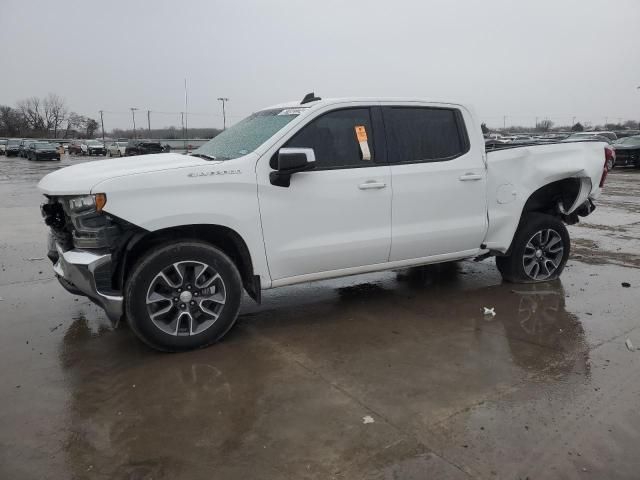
(545, 58)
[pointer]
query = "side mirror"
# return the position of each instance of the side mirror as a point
(290, 161)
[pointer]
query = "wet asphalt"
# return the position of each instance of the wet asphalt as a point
(394, 375)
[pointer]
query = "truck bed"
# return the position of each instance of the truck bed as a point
(515, 173)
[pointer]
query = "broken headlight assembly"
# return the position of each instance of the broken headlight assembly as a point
(90, 227)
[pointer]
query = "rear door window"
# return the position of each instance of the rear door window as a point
(424, 134)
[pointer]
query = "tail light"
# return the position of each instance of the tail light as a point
(609, 156)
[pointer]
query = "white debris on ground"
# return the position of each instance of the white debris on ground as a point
(490, 311)
(629, 345)
(367, 419)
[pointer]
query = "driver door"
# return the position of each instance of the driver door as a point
(337, 216)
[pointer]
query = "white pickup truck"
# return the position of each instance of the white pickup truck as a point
(306, 191)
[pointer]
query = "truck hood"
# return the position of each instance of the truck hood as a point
(80, 179)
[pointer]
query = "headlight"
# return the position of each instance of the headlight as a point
(87, 202)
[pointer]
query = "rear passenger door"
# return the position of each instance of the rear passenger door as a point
(439, 183)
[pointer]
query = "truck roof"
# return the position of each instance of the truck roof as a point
(332, 101)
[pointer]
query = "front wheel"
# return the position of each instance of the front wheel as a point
(539, 251)
(183, 296)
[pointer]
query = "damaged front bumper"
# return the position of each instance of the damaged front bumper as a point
(83, 273)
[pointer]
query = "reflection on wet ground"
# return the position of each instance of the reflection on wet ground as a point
(546, 388)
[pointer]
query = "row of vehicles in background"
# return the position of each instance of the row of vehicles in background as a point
(35, 149)
(623, 151)
(117, 148)
(30, 148)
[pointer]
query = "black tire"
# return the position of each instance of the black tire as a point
(141, 281)
(512, 266)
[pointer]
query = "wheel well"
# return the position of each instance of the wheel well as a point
(224, 238)
(546, 198)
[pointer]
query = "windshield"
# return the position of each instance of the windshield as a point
(630, 141)
(93, 142)
(244, 137)
(14, 142)
(43, 145)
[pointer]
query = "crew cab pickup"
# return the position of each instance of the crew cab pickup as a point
(305, 191)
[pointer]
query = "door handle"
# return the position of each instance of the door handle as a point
(470, 177)
(371, 185)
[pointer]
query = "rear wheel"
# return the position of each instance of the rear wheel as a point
(183, 296)
(539, 251)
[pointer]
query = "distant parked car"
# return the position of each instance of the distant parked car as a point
(13, 147)
(603, 136)
(117, 149)
(94, 147)
(626, 133)
(142, 147)
(582, 136)
(77, 148)
(24, 144)
(42, 151)
(3, 146)
(493, 144)
(628, 151)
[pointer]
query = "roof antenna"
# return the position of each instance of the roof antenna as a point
(310, 97)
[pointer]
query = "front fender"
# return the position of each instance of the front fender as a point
(172, 198)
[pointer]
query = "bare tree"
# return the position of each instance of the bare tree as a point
(75, 123)
(11, 122)
(55, 112)
(544, 125)
(30, 109)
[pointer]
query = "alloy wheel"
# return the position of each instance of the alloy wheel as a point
(186, 298)
(543, 254)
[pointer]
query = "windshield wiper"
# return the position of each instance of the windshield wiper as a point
(204, 155)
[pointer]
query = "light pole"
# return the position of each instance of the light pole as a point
(102, 124)
(149, 122)
(224, 114)
(133, 116)
(184, 137)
